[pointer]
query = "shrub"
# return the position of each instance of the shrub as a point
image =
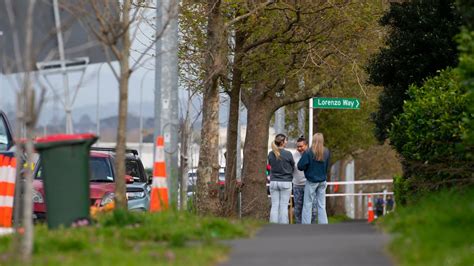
(466, 70)
(429, 134)
(431, 125)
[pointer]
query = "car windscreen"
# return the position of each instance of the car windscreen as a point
(100, 170)
(3, 135)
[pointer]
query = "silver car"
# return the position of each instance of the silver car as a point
(138, 191)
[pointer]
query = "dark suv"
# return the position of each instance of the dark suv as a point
(102, 182)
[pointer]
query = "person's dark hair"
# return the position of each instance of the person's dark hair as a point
(302, 139)
(276, 144)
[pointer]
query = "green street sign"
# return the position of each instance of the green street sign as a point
(336, 103)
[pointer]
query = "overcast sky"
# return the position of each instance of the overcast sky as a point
(99, 76)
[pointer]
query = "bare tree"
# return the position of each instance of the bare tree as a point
(115, 25)
(28, 108)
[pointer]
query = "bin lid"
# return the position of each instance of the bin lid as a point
(65, 137)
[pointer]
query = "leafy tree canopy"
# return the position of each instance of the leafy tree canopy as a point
(419, 43)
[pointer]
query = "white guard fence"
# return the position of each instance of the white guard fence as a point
(361, 194)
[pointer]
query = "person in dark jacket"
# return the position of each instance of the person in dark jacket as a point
(281, 174)
(299, 182)
(315, 163)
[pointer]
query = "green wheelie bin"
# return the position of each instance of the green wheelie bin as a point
(64, 161)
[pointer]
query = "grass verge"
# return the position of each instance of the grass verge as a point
(125, 238)
(338, 219)
(438, 230)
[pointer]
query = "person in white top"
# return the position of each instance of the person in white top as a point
(299, 182)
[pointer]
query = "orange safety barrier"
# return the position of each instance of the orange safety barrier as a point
(159, 187)
(370, 209)
(7, 190)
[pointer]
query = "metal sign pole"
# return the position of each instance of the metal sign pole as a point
(310, 133)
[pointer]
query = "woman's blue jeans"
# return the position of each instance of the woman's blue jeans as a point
(312, 191)
(280, 193)
(298, 197)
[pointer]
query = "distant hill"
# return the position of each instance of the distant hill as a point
(52, 120)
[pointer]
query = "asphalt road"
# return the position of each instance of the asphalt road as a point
(354, 243)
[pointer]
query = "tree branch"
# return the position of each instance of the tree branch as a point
(244, 16)
(305, 95)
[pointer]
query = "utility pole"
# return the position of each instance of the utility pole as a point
(301, 122)
(62, 58)
(301, 112)
(166, 90)
(238, 164)
(97, 114)
(310, 121)
(280, 121)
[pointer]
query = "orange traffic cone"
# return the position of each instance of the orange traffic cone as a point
(7, 191)
(159, 186)
(370, 210)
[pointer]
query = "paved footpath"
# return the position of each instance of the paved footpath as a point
(352, 243)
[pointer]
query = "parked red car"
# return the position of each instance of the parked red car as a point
(102, 185)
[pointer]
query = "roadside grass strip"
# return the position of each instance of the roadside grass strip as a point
(126, 238)
(438, 230)
(338, 219)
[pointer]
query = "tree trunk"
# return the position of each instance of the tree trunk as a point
(184, 160)
(26, 118)
(255, 202)
(230, 203)
(120, 186)
(208, 167)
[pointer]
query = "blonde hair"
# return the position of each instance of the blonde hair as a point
(318, 146)
(279, 140)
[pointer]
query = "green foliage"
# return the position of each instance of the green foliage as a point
(466, 70)
(431, 125)
(401, 189)
(436, 231)
(429, 134)
(128, 238)
(192, 44)
(347, 131)
(338, 219)
(420, 42)
(466, 8)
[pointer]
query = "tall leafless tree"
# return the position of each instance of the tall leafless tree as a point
(27, 112)
(115, 24)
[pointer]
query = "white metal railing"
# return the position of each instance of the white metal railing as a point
(360, 182)
(385, 193)
(357, 182)
(358, 194)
